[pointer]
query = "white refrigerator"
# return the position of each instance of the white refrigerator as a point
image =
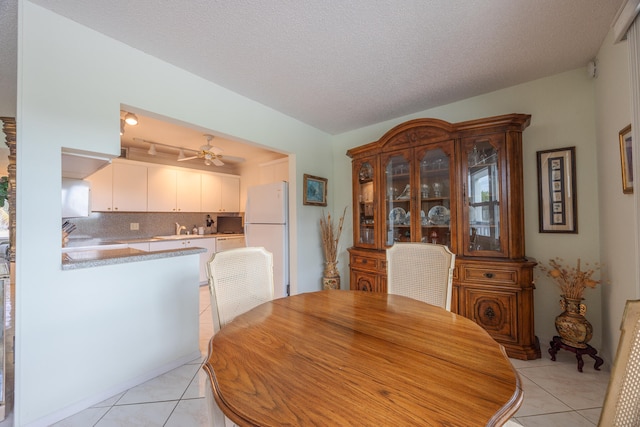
(266, 224)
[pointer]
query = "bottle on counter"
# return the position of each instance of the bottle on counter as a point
(194, 230)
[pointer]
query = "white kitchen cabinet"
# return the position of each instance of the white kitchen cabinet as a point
(220, 193)
(161, 195)
(143, 246)
(230, 194)
(188, 191)
(129, 187)
(119, 187)
(208, 243)
(102, 189)
(210, 193)
(173, 190)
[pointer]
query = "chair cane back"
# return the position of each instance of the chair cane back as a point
(239, 279)
(422, 271)
(622, 401)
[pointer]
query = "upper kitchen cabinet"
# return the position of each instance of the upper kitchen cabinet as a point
(173, 190)
(131, 186)
(459, 185)
(220, 193)
(121, 186)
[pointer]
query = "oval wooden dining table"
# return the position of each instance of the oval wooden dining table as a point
(353, 358)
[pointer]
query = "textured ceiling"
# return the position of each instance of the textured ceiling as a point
(340, 65)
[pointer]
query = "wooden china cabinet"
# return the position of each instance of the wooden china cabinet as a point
(460, 185)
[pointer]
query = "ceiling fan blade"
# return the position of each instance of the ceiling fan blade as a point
(188, 158)
(217, 162)
(216, 150)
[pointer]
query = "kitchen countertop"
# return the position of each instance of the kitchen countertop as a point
(97, 257)
(84, 253)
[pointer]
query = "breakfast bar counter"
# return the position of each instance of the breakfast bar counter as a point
(83, 258)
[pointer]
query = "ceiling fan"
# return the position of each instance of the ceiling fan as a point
(209, 153)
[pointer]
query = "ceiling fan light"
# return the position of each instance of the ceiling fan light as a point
(152, 150)
(207, 162)
(121, 127)
(181, 154)
(131, 119)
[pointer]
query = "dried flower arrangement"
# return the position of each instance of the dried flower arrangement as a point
(571, 281)
(331, 236)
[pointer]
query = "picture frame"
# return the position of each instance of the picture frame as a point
(557, 195)
(315, 191)
(626, 159)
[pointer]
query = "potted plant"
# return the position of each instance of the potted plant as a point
(330, 238)
(574, 329)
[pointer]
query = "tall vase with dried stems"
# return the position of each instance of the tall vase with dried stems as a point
(330, 238)
(573, 327)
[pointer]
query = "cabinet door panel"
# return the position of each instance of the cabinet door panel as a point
(102, 189)
(363, 281)
(364, 211)
(485, 196)
(161, 195)
(129, 187)
(495, 311)
(435, 211)
(397, 196)
(188, 191)
(230, 194)
(211, 193)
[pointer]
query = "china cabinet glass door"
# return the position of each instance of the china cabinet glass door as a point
(483, 213)
(435, 195)
(397, 200)
(364, 203)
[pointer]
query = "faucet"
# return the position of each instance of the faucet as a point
(179, 228)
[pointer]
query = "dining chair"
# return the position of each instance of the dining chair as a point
(239, 279)
(423, 271)
(622, 401)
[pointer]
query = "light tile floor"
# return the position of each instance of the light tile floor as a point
(555, 393)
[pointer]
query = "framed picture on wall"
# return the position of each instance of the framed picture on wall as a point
(626, 159)
(557, 198)
(315, 190)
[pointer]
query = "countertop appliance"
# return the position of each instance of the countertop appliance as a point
(266, 223)
(229, 225)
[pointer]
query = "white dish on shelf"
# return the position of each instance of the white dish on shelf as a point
(439, 215)
(397, 216)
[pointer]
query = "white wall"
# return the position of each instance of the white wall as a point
(617, 221)
(562, 109)
(72, 82)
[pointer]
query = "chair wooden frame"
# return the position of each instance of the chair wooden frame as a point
(622, 401)
(423, 271)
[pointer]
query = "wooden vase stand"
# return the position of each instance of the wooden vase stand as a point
(557, 344)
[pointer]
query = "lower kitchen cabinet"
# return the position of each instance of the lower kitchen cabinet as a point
(140, 246)
(208, 243)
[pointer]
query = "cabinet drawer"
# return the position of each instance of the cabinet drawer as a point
(364, 263)
(507, 276)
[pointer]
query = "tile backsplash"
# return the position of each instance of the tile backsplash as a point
(117, 225)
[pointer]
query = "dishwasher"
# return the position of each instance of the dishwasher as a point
(230, 242)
